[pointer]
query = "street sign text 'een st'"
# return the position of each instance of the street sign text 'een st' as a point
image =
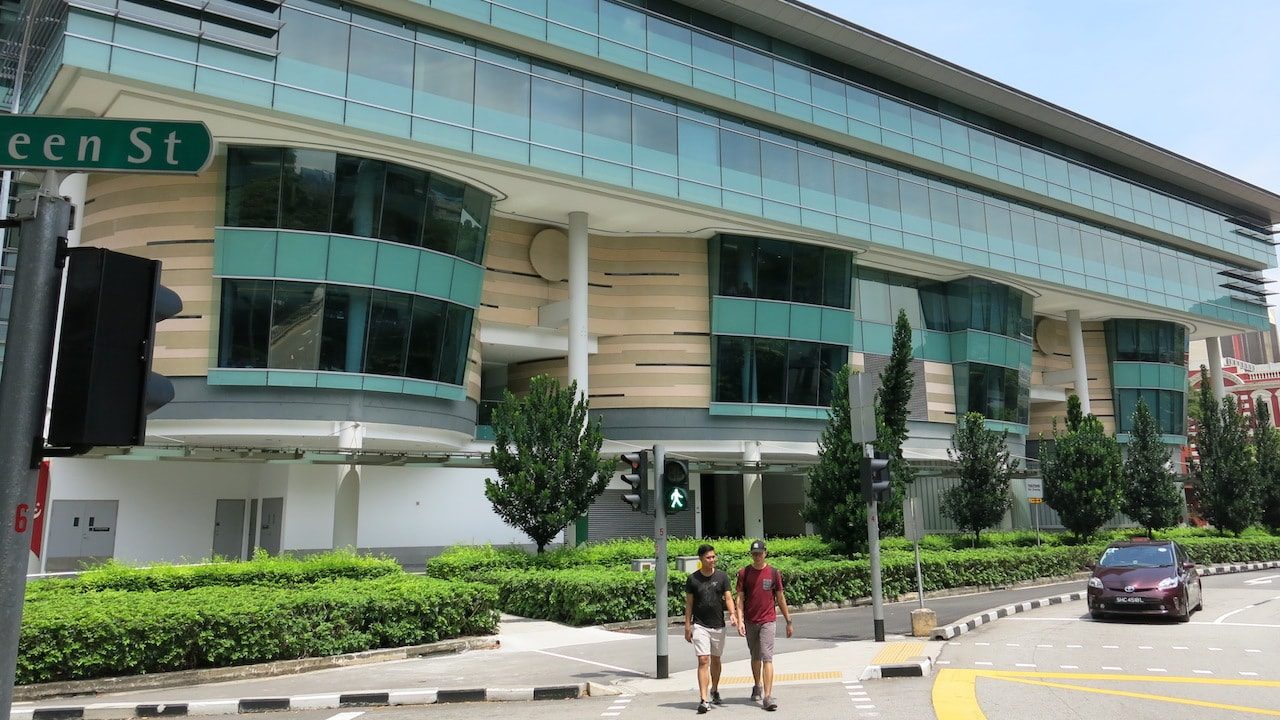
(43, 142)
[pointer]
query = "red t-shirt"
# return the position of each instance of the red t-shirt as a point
(758, 588)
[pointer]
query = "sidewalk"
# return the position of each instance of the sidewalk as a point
(534, 660)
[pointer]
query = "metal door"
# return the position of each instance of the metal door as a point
(228, 529)
(269, 531)
(253, 527)
(81, 532)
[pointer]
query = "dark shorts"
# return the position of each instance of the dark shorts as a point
(760, 640)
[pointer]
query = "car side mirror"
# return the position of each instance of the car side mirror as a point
(1188, 565)
(1091, 565)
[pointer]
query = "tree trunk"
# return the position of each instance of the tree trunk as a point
(542, 546)
(977, 538)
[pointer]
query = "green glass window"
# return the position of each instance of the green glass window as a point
(253, 187)
(306, 191)
(773, 371)
(1168, 407)
(996, 392)
(306, 326)
(1146, 341)
(778, 270)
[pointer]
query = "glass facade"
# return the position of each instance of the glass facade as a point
(965, 304)
(275, 324)
(714, 55)
(768, 269)
(320, 191)
(775, 371)
(1149, 361)
(477, 98)
(1153, 341)
(998, 393)
(1169, 407)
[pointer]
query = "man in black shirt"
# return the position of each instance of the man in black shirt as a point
(706, 597)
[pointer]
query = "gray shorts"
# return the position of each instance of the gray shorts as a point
(760, 640)
(708, 641)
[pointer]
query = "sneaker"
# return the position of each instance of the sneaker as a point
(756, 693)
(702, 708)
(715, 698)
(769, 704)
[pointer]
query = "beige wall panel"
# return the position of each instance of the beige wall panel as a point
(181, 367)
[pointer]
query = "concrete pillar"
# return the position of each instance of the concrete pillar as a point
(578, 292)
(695, 487)
(752, 494)
(1075, 334)
(75, 187)
(346, 500)
(1215, 368)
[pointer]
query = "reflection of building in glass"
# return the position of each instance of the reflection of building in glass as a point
(695, 220)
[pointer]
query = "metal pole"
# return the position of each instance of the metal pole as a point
(24, 390)
(660, 559)
(919, 577)
(873, 537)
(1035, 510)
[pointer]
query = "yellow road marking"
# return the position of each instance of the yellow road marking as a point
(955, 693)
(784, 677)
(896, 652)
(1147, 696)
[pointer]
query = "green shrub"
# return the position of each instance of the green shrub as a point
(464, 561)
(278, 571)
(64, 637)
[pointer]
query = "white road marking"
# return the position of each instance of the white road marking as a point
(592, 662)
(1075, 646)
(1202, 672)
(1264, 580)
(1012, 645)
(1069, 667)
(1215, 649)
(942, 662)
(1249, 674)
(1180, 647)
(1044, 646)
(980, 662)
(1156, 670)
(1030, 665)
(982, 643)
(1144, 647)
(347, 715)
(1110, 647)
(865, 707)
(1112, 667)
(1222, 618)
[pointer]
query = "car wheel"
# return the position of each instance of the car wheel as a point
(1097, 615)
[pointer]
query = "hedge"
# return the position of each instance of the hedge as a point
(118, 632)
(262, 570)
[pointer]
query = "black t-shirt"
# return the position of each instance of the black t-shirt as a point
(708, 597)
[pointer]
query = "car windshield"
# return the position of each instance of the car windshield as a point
(1137, 556)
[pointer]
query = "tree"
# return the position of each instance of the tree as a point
(1082, 473)
(833, 501)
(1152, 495)
(893, 406)
(1224, 471)
(1266, 440)
(981, 497)
(547, 458)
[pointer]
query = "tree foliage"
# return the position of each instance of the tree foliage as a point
(981, 497)
(893, 407)
(1152, 494)
(1082, 473)
(1266, 440)
(547, 458)
(1224, 471)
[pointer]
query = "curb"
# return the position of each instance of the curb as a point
(183, 678)
(916, 668)
(122, 711)
(947, 632)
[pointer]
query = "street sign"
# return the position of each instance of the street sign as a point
(1035, 489)
(48, 142)
(1035, 501)
(862, 408)
(913, 520)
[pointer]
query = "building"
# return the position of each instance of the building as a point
(697, 211)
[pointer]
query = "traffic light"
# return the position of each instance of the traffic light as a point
(675, 485)
(103, 387)
(637, 476)
(875, 479)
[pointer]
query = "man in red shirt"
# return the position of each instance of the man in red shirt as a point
(759, 591)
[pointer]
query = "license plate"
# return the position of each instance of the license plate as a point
(1128, 600)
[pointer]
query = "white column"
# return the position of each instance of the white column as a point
(695, 486)
(346, 499)
(1215, 368)
(1076, 335)
(578, 291)
(752, 494)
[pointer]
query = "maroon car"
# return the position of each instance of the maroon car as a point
(1142, 577)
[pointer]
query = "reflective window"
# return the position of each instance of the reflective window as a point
(307, 326)
(1147, 341)
(322, 191)
(313, 48)
(1168, 407)
(966, 304)
(996, 392)
(778, 270)
(772, 371)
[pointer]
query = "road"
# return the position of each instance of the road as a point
(1056, 661)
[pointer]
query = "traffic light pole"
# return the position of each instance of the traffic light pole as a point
(24, 391)
(660, 559)
(873, 540)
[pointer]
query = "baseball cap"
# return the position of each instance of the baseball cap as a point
(758, 546)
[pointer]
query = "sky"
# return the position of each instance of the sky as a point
(1198, 77)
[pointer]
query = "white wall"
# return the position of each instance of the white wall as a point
(308, 507)
(166, 508)
(408, 507)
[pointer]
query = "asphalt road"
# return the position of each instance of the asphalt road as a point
(1056, 662)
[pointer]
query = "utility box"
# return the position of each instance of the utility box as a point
(642, 564)
(687, 564)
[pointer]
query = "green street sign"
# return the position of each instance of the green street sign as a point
(45, 142)
(676, 499)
